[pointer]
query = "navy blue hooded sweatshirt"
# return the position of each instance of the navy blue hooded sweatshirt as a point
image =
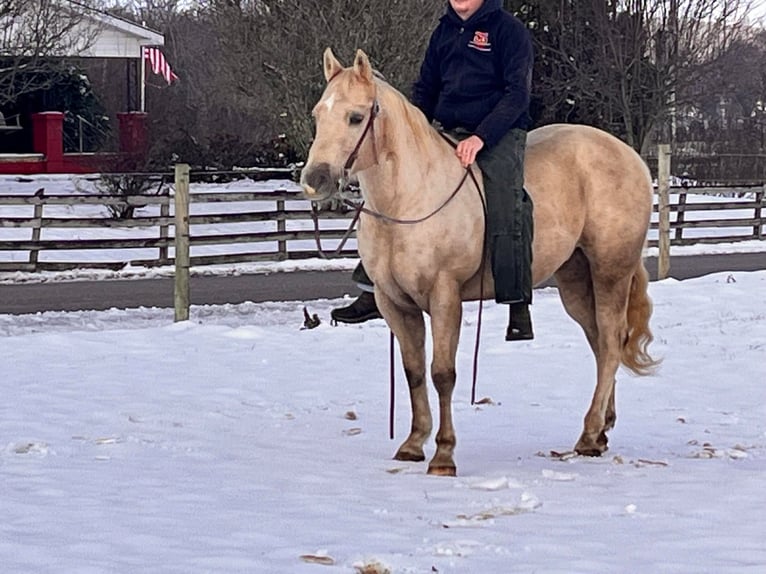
(477, 73)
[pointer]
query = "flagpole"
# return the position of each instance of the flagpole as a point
(142, 83)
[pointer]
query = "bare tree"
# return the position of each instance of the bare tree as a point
(34, 35)
(630, 65)
(251, 69)
(729, 111)
(271, 50)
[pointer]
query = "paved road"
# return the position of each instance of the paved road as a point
(295, 286)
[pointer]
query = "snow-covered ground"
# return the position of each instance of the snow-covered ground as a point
(237, 442)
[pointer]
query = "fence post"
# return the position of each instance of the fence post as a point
(663, 189)
(181, 294)
(758, 215)
(281, 228)
(681, 213)
(164, 212)
(34, 253)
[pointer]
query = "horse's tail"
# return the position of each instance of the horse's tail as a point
(635, 354)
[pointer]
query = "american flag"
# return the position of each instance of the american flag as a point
(159, 64)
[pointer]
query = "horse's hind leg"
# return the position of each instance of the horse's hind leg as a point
(576, 290)
(611, 300)
(409, 329)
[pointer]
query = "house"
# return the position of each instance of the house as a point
(99, 35)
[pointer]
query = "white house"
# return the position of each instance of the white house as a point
(113, 37)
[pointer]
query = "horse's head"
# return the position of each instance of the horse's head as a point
(344, 139)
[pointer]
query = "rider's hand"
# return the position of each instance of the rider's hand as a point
(467, 149)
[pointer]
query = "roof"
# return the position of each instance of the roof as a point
(113, 36)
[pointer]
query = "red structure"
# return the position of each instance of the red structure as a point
(48, 148)
(132, 132)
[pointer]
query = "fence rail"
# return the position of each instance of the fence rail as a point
(280, 242)
(751, 215)
(740, 217)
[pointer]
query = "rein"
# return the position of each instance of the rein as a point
(387, 218)
(318, 239)
(382, 216)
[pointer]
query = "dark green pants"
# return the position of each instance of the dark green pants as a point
(509, 218)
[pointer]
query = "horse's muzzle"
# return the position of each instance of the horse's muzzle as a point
(319, 182)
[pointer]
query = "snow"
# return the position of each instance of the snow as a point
(239, 442)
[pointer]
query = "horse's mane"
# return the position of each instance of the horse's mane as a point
(393, 99)
(397, 110)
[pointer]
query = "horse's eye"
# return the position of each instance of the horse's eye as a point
(355, 119)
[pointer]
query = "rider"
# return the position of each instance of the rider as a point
(475, 84)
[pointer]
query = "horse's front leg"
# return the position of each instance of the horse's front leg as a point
(409, 328)
(446, 315)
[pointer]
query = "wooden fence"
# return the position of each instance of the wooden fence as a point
(157, 231)
(739, 217)
(747, 208)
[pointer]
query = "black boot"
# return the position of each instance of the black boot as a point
(362, 309)
(519, 323)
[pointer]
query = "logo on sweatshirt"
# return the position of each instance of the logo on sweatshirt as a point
(481, 42)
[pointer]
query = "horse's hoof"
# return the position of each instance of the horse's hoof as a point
(442, 470)
(586, 446)
(593, 451)
(409, 456)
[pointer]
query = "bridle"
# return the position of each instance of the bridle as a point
(369, 128)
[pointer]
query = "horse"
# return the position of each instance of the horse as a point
(421, 238)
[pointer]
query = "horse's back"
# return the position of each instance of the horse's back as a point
(590, 190)
(580, 150)
(591, 155)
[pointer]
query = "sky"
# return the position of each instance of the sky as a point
(758, 10)
(239, 442)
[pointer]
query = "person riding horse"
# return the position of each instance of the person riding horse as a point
(475, 83)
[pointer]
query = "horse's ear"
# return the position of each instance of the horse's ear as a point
(362, 66)
(331, 65)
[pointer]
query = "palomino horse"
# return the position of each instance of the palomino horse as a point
(593, 199)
